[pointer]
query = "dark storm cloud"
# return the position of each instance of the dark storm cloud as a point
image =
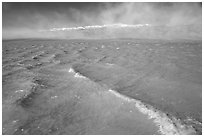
(24, 18)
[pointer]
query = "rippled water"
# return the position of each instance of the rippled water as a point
(101, 87)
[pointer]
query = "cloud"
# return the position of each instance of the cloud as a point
(153, 13)
(27, 18)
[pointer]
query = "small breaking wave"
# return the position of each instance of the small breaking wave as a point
(76, 74)
(119, 25)
(167, 125)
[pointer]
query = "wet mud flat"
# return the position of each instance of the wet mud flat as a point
(116, 86)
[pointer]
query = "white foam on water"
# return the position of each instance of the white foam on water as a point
(109, 64)
(119, 25)
(71, 70)
(167, 125)
(53, 97)
(76, 75)
(19, 91)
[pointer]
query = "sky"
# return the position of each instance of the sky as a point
(23, 20)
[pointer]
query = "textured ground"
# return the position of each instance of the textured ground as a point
(41, 96)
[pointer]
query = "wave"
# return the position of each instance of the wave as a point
(168, 125)
(119, 30)
(77, 75)
(97, 27)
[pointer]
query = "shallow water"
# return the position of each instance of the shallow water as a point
(81, 86)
